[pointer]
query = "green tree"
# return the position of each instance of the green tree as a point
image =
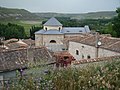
(108, 29)
(116, 23)
(33, 30)
(12, 31)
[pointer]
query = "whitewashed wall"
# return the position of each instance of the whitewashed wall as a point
(85, 50)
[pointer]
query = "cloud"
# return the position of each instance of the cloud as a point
(65, 6)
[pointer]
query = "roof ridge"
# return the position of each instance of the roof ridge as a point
(113, 44)
(86, 38)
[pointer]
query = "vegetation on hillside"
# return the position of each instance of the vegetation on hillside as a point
(92, 15)
(92, 77)
(116, 23)
(113, 27)
(16, 14)
(102, 21)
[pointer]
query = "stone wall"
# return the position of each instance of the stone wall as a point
(38, 39)
(14, 59)
(44, 40)
(86, 50)
(57, 38)
(53, 46)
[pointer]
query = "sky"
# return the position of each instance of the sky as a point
(62, 6)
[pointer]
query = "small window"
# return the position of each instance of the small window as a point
(45, 28)
(80, 31)
(77, 52)
(68, 31)
(59, 28)
(88, 57)
(52, 41)
(82, 56)
(66, 57)
(63, 49)
(82, 46)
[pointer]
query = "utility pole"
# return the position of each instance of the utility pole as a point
(98, 43)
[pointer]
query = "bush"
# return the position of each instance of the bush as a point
(105, 77)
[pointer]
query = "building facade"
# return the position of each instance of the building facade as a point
(86, 48)
(53, 34)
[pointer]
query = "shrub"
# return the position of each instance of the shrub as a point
(104, 77)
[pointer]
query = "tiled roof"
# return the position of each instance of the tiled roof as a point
(40, 32)
(48, 32)
(2, 48)
(75, 30)
(52, 22)
(84, 61)
(19, 44)
(66, 30)
(52, 32)
(16, 45)
(10, 40)
(10, 61)
(29, 42)
(74, 38)
(19, 58)
(109, 43)
(62, 53)
(115, 46)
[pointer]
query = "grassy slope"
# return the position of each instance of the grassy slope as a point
(19, 16)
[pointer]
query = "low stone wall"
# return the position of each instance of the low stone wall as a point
(14, 59)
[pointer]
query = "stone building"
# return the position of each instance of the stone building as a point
(85, 47)
(53, 34)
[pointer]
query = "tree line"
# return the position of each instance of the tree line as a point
(33, 29)
(113, 27)
(12, 31)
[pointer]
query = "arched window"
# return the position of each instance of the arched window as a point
(77, 52)
(88, 57)
(52, 41)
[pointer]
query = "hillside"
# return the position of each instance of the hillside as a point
(22, 14)
(9, 13)
(92, 15)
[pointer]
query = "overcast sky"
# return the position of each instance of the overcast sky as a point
(62, 6)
